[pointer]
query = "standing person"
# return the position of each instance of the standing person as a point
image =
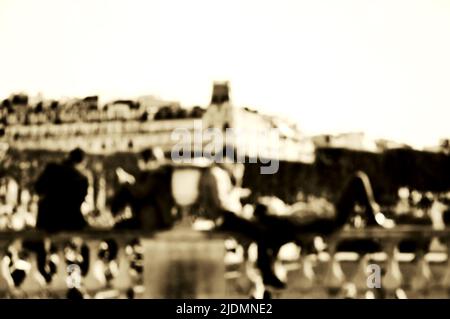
(62, 188)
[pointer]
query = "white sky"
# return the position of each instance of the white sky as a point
(382, 67)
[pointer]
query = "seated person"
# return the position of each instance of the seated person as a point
(148, 194)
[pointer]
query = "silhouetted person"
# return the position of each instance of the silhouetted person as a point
(62, 188)
(149, 195)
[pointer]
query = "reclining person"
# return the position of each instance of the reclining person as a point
(270, 232)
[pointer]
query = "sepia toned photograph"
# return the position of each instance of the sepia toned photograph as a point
(205, 149)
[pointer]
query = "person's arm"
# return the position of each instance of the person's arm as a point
(124, 177)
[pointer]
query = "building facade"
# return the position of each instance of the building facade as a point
(126, 126)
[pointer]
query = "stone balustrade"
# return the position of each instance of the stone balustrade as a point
(183, 263)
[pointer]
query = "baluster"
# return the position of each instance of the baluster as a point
(393, 278)
(253, 274)
(34, 283)
(122, 282)
(348, 291)
(307, 276)
(334, 278)
(361, 275)
(95, 279)
(423, 276)
(58, 284)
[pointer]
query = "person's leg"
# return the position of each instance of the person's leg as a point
(264, 238)
(241, 226)
(284, 229)
(358, 190)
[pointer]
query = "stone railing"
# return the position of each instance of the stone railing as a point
(183, 263)
(380, 271)
(97, 282)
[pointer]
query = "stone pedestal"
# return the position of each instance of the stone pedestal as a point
(183, 263)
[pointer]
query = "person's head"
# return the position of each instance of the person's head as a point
(151, 159)
(76, 157)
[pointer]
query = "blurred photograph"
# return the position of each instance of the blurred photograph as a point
(204, 149)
